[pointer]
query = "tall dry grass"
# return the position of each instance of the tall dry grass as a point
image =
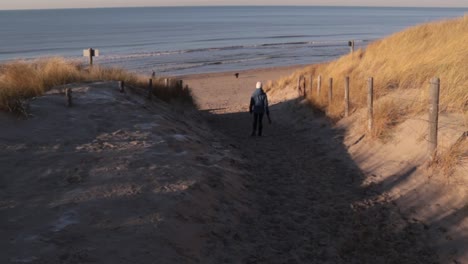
(448, 160)
(403, 61)
(21, 80)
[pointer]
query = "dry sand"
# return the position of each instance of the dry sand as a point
(117, 179)
(114, 179)
(308, 201)
(223, 92)
(398, 167)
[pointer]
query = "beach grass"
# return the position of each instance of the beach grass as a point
(20, 80)
(402, 66)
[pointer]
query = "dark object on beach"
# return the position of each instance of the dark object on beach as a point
(237, 75)
(153, 74)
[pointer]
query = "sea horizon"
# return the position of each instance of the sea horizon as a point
(180, 40)
(228, 6)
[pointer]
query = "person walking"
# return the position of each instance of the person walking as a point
(258, 107)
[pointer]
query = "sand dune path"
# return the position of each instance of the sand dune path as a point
(309, 202)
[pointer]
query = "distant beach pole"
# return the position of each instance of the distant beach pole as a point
(351, 45)
(90, 53)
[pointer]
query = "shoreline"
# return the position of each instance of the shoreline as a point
(243, 72)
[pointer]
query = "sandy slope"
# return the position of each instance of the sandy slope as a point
(114, 179)
(398, 168)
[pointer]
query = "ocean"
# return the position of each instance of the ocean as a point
(185, 40)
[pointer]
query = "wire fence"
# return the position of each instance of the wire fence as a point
(430, 101)
(459, 127)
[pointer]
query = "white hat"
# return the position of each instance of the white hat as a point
(259, 85)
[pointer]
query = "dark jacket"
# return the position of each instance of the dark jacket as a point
(259, 102)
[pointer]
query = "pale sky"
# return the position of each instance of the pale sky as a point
(45, 4)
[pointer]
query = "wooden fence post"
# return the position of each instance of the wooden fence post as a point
(68, 96)
(299, 85)
(166, 82)
(122, 86)
(311, 84)
(370, 104)
(330, 94)
(150, 88)
(319, 85)
(434, 116)
(304, 87)
(346, 96)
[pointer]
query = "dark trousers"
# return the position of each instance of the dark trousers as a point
(258, 119)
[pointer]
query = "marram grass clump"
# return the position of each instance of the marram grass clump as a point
(21, 80)
(403, 62)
